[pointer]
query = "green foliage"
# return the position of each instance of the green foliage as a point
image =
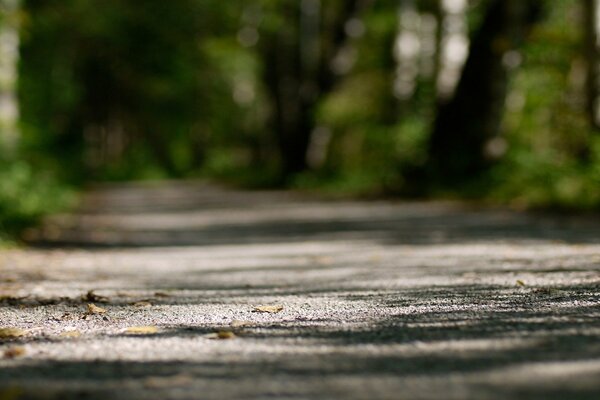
(376, 137)
(547, 180)
(553, 154)
(26, 195)
(117, 88)
(121, 90)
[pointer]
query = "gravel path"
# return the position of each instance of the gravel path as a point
(367, 300)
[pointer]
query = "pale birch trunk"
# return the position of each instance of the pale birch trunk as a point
(9, 57)
(591, 24)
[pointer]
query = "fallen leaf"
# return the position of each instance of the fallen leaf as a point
(91, 297)
(520, 282)
(14, 352)
(161, 294)
(221, 335)
(268, 309)
(94, 309)
(9, 333)
(70, 334)
(142, 304)
(225, 335)
(141, 330)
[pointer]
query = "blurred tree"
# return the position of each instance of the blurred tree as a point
(26, 194)
(452, 45)
(117, 88)
(303, 45)
(9, 56)
(464, 139)
(344, 91)
(591, 24)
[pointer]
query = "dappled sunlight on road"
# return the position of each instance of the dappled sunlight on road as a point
(377, 298)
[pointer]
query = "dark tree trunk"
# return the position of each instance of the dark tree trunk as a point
(283, 78)
(295, 78)
(467, 122)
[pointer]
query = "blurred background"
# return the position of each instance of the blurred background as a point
(482, 99)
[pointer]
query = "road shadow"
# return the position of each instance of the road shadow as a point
(424, 354)
(202, 215)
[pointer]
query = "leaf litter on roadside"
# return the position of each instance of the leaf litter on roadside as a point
(221, 335)
(94, 309)
(11, 333)
(271, 309)
(14, 352)
(141, 330)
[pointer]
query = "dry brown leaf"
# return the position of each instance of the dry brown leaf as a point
(268, 309)
(142, 304)
(9, 333)
(225, 335)
(70, 334)
(161, 294)
(94, 309)
(221, 335)
(14, 352)
(141, 330)
(520, 283)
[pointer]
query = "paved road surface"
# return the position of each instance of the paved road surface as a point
(381, 300)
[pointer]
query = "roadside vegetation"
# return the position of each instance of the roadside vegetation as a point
(493, 100)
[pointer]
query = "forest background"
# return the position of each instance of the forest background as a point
(493, 100)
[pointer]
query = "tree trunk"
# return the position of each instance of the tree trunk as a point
(298, 72)
(282, 78)
(461, 145)
(9, 58)
(453, 42)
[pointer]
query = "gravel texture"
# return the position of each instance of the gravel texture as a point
(381, 300)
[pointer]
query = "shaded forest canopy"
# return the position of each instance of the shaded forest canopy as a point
(495, 99)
